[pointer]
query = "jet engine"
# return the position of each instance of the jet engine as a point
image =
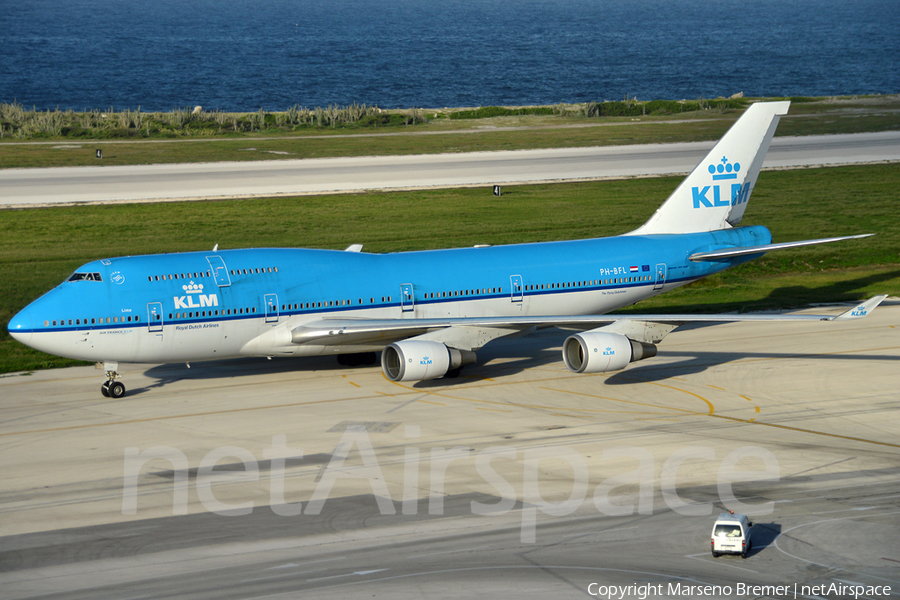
(418, 360)
(601, 351)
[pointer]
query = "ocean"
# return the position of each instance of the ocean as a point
(242, 55)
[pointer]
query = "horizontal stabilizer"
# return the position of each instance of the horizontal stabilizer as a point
(732, 252)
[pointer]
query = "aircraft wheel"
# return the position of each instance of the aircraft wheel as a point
(116, 389)
(104, 389)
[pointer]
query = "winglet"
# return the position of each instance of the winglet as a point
(862, 310)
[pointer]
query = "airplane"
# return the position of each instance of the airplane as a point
(427, 312)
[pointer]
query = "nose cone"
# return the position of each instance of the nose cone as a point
(21, 327)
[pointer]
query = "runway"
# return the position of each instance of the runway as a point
(68, 185)
(517, 480)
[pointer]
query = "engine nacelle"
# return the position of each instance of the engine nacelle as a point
(601, 351)
(418, 360)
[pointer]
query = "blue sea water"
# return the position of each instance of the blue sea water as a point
(244, 55)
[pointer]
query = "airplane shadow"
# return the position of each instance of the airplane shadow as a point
(223, 369)
(511, 356)
(698, 362)
(784, 298)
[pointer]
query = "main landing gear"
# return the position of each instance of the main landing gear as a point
(112, 388)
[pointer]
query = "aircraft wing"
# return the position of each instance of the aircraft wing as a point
(348, 331)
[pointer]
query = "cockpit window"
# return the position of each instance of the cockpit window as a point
(85, 277)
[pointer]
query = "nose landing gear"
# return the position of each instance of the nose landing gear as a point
(112, 388)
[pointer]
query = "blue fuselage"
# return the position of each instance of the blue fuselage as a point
(203, 305)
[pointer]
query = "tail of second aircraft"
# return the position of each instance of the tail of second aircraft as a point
(715, 194)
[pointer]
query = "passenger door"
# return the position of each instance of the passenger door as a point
(660, 276)
(219, 271)
(407, 298)
(271, 302)
(515, 284)
(154, 317)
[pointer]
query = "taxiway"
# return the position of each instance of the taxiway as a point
(289, 478)
(70, 185)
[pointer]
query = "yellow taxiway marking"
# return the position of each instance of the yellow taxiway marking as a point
(712, 408)
(801, 430)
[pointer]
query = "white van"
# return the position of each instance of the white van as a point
(731, 535)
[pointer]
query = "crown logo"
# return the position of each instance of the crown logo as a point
(193, 288)
(724, 170)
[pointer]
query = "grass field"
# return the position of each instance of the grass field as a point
(823, 116)
(40, 247)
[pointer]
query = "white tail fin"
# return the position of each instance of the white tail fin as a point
(715, 194)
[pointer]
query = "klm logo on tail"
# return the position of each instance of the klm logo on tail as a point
(725, 170)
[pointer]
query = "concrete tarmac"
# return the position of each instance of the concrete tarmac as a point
(68, 185)
(519, 479)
